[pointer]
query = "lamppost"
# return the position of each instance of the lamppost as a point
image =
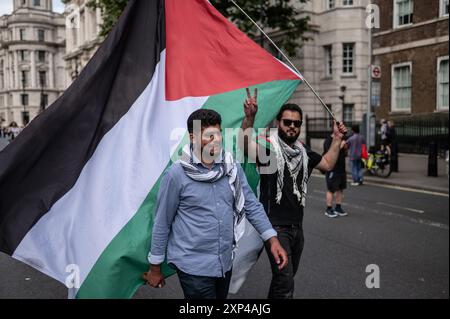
(75, 73)
(343, 88)
(41, 82)
(25, 116)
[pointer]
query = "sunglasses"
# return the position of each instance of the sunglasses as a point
(290, 122)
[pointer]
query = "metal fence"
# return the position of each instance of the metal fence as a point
(414, 133)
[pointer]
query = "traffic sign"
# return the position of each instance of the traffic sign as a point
(376, 72)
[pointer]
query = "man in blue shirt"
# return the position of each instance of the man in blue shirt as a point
(201, 202)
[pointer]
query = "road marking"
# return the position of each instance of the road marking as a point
(400, 207)
(407, 189)
(400, 188)
(391, 214)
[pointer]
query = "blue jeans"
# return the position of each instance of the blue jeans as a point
(357, 172)
(202, 287)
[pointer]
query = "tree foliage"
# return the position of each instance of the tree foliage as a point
(278, 16)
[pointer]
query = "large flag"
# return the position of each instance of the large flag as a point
(78, 186)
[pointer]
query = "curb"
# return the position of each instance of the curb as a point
(386, 182)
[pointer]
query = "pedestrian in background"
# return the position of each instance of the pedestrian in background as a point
(355, 144)
(336, 180)
(385, 138)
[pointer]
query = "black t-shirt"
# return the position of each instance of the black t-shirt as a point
(339, 168)
(289, 211)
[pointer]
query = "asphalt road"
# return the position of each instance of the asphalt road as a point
(405, 233)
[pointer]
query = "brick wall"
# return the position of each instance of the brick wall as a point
(424, 73)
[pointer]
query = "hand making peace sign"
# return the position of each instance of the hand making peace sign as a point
(251, 104)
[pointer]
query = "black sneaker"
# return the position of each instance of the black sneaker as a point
(340, 212)
(331, 213)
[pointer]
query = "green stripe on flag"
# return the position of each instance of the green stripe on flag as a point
(117, 272)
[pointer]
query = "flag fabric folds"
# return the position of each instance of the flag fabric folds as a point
(78, 186)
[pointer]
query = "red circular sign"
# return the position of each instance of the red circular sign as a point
(376, 72)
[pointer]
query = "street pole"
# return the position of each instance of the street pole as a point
(369, 92)
(23, 101)
(41, 80)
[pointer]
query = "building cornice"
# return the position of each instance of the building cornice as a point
(411, 45)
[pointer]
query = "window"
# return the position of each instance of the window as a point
(42, 78)
(348, 113)
(442, 84)
(41, 56)
(328, 60)
(330, 4)
(443, 7)
(24, 98)
(348, 58)
(347, 2)
(41, 35)
(37, 3)
(403, 12)
(24, 2)
(22, 34)
(25, 78)
(401, 87)
(24, 55)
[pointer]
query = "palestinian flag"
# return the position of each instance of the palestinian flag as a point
(78, 186)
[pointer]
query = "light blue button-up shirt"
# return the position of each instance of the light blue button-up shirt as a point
(194, 222)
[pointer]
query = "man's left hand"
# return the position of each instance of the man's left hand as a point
(278, 253)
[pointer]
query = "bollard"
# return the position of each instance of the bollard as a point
(394, 157)
(446, 162)
(433, 160)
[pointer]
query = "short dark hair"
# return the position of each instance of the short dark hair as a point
(206, 117)
(355, 128)
(289, 107)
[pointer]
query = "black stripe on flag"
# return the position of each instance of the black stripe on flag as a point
(46, 159)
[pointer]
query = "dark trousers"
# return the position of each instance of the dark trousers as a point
(292, 240)
(202, 287)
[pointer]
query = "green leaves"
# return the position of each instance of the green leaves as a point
(281, 17)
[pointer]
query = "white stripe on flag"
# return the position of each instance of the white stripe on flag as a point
(114, 183)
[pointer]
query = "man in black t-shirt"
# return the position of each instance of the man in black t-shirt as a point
(336, 180)
(285, 165)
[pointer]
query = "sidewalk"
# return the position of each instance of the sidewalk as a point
(412, 173)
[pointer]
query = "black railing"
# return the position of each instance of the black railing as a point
(414, 133)
(321, 127)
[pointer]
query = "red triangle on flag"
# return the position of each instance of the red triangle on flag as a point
(207, 54)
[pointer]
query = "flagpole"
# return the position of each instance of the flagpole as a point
(288, 60)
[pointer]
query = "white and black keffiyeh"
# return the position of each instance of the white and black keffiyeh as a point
(295, 158)
(229, 168)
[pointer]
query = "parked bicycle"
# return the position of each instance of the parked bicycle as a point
(378, 163)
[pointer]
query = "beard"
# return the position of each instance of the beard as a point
(287, 138)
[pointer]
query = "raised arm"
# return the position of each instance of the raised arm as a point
(245, 140)
(330, 158)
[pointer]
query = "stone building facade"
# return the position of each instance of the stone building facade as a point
(32, 46)
(82, 34)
